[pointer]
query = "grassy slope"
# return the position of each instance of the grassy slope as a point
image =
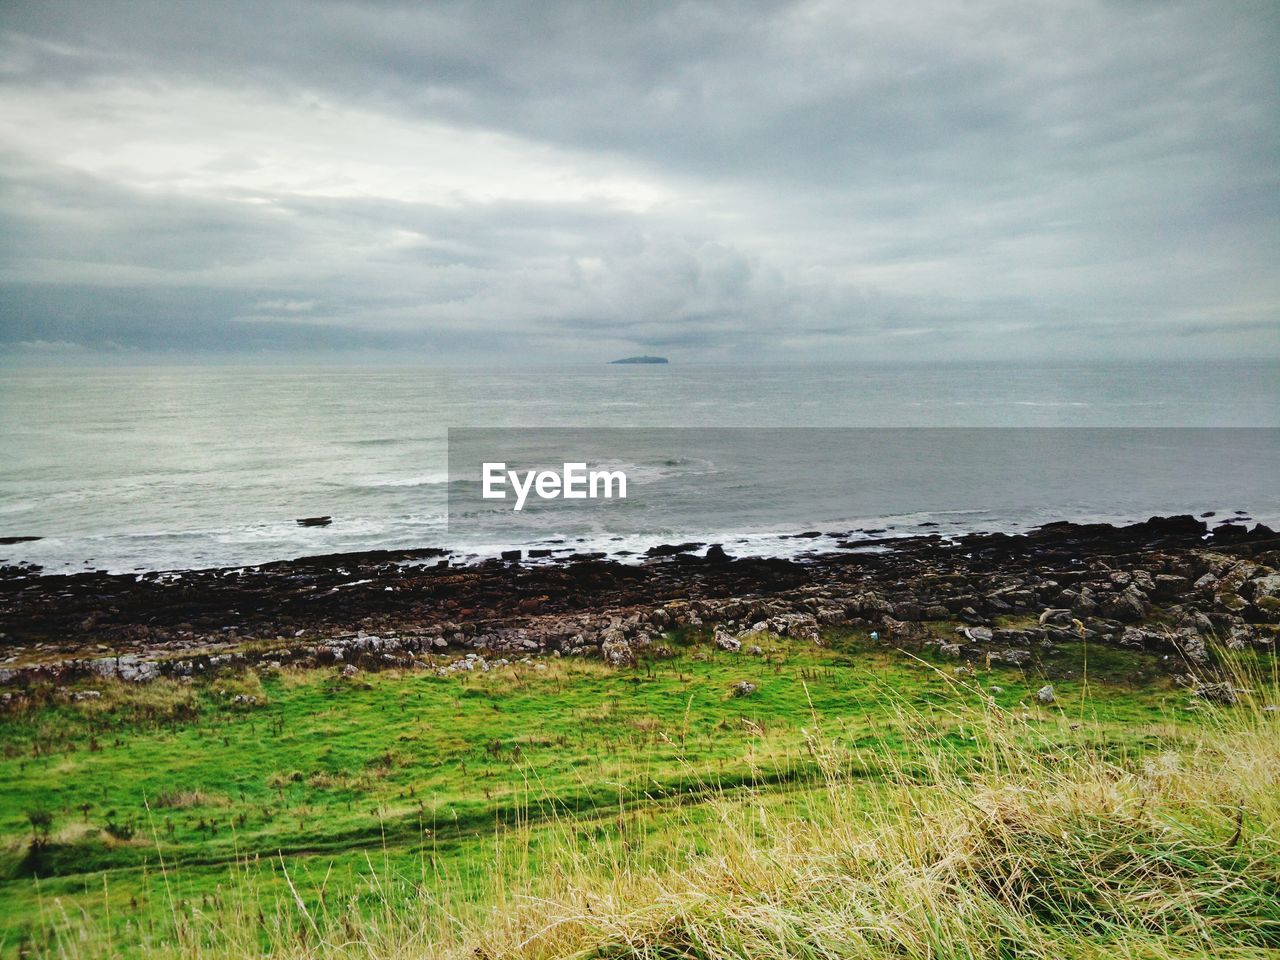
(404, 796)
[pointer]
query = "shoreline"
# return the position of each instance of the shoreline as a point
(1167, 583)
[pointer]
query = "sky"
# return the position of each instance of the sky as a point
(523, 182)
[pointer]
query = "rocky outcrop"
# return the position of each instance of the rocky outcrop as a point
(1158, 586)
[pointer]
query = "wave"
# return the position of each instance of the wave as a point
(434, 479)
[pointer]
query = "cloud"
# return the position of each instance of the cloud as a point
(719, 180)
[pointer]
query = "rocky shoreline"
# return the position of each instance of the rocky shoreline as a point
(1166, 585)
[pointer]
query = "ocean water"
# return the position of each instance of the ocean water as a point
(147, 468)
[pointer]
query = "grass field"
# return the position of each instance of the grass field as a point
(405, 813)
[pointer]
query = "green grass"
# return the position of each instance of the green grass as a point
(401, 799)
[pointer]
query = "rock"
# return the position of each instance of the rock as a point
(1230, 532)
(904, 630)
(1081, 602)
(754, 651)
(671, 549)
(1264, 587)
(716, 554)
(1127, 605)
(1056, 617)
(617, 653)
(350, 670)
(743, 688)
(1222, 693)
(724, 641)
(1230, 602)
(1045, 695)
(907, 610)
(949, 649)
(1016, 638)
(1015, 658)
(382, 608)
(1239, 638)
(1194, 647)
(1193, 620)
(1168, 585)
(1136, 637)
(1206, 583)
(511, 556)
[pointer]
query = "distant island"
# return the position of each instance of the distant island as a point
(641, 360)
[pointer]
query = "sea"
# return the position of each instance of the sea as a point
(141, 468)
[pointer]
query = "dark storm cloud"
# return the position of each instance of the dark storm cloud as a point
(866, 179)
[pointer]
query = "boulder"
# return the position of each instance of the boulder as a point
(724, 641)
(1264, 587)
(1194, 647)
(1128, 605)
(716, 554)
(1056, 617)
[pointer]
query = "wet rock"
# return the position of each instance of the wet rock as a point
(671, 549)
(715, 554)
